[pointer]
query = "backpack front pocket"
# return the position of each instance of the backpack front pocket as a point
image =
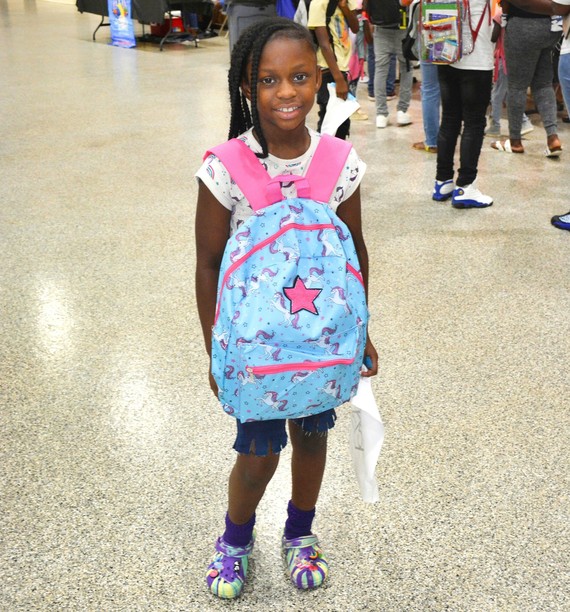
(294, 381)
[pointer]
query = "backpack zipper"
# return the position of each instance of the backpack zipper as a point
(294, 367)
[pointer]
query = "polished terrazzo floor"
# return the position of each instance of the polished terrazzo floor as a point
(113, 453)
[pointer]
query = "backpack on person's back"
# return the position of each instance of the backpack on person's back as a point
(386, 13)
(290, 325)
(410, 43)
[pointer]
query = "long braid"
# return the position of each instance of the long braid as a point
(240, 120)
(248, 48)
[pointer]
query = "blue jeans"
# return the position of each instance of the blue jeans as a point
(564, 77)
(430, 103)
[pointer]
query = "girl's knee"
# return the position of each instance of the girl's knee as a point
(256, 471)
(307, 441)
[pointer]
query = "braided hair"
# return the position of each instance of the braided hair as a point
(248, 48)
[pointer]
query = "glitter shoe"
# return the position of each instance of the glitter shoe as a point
(228, 569)
(305, 561)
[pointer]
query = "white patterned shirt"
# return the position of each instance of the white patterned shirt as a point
(217, 179)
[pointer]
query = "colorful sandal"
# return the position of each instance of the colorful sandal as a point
(305, 561)
(227, 572)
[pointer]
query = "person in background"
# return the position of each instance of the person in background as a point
(465, 93)
(530, 37)
(386, 15)
(333, 54)
(430, 95)
(391, 79)
(243, 13)
(562, 7)
(500, 80)
(360, 42)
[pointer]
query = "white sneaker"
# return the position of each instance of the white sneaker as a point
(364, 79)
(526, 127)
(381, 121)
(403, 118)
(443, 190)
(470, 197)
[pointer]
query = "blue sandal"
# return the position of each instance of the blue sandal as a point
(228, 569)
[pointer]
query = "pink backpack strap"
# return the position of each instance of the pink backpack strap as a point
(326, 166)
(247, 171)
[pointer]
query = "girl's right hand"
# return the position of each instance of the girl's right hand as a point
(370, 360)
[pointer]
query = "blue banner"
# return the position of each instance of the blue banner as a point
(121, 22)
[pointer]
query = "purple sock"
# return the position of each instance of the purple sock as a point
(238, 535)
(299, 522)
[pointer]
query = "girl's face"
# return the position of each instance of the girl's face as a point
(288, 80)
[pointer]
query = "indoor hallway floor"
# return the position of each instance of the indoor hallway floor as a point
(114, 455)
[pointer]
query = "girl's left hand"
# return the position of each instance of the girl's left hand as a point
(371, 360)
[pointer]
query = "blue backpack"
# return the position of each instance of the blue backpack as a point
(290, 324)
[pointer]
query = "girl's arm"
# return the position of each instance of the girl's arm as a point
(212, 230)
(350, 211)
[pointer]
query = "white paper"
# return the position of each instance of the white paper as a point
(366, 438)
(338, 111)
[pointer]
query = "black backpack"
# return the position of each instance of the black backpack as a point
(409, 42)
(385, 13)
(331, 8)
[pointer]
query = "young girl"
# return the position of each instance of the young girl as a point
(273, 81)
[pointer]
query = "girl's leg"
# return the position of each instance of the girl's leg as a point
(307, 465)
(248, 481)
(451, 118)
(475, 94)
(307, 565)
(227, 572)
